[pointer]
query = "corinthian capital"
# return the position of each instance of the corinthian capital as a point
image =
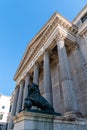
(60, 36)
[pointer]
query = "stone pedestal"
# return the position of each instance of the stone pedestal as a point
(33, 121)
(38, 121)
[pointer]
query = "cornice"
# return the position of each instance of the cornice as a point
(42, 36)
(83, 29)
(81, 13)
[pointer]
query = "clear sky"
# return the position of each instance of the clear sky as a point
(20, 20)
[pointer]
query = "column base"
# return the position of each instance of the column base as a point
(71, 116)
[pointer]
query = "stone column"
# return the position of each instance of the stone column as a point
(85, 39)
(36, 74)
(81, 75)
(36, 78)
(13, 110)
(20, 98)
(70, 102)
(27, 82)
(47, 78)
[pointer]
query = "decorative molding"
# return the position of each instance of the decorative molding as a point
(40, 44)
(60, 36)
(83, 29)
(36, 50)
(36, 56)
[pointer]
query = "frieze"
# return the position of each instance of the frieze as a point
(41, 43)
(40, 52)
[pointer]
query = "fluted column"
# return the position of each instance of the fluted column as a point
(13, 110)
(27, 82)
(65, 77)
(20, 98)
(85, 39)
(36, 78)
(36, 74)
(47, 78)
(81, 75)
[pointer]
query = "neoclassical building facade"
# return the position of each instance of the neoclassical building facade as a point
(56, 60)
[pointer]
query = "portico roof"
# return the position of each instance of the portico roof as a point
(56, 18)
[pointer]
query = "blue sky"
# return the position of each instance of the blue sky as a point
(20, 20)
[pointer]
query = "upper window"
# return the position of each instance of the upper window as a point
(84, 18)
(1, 116)
(10, 108)
(3, 107)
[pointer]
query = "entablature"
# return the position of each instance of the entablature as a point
(43, 40)
(48, 44)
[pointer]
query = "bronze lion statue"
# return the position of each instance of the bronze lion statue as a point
(34, 98)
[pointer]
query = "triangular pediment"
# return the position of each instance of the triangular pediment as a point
(55, 19)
